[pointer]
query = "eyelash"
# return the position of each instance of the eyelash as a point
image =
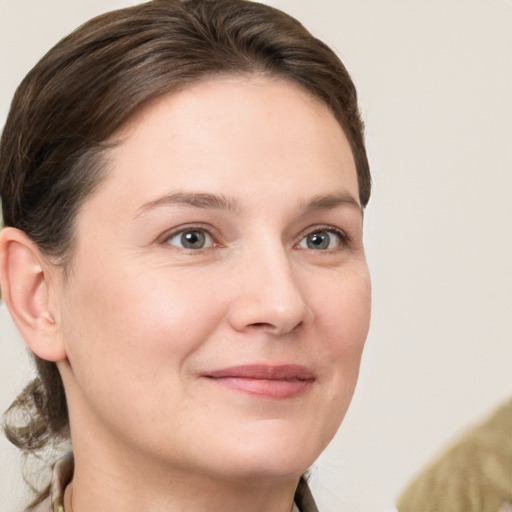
(189, 229)
(344, 239)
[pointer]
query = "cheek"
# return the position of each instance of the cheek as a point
(137, 323)
(346, 313)
(130, 335)
(344, 320)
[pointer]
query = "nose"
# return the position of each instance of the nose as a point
(268, 295)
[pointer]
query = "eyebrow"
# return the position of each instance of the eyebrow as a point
(331, 201)
(195, 200)
(221, 202)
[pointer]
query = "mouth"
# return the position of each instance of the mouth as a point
(265, 381)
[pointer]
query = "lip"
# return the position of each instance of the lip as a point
(271, 382)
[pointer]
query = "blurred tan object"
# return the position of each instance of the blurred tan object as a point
(473, 475)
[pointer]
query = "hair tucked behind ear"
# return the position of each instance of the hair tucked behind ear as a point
(66, 112)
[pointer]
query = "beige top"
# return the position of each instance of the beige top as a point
(63, 473)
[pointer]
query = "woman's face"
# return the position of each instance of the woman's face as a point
(219, 297)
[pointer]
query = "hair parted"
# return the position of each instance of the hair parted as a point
(65, 113)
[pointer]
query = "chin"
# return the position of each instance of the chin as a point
(274, 454)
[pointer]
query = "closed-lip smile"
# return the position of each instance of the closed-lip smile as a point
(271, 382)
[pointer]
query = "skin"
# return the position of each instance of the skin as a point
(142, 322)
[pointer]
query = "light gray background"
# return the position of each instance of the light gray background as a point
(435, 81)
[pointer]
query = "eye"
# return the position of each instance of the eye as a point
(191, 239)
(321, 240)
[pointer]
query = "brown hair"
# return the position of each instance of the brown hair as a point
(79, 95)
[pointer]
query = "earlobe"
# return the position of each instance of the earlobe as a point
(26, 289)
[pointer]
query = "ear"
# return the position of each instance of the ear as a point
(26, 279)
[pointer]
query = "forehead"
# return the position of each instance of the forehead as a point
(234, 136)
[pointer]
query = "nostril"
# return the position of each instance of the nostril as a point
(274, 329)
(262, 326)
(298, 326)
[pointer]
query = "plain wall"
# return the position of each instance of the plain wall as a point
(435, 82)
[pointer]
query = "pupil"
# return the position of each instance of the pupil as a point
(193, 239)
(318, 241)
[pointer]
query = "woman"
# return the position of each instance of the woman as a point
(182, 187)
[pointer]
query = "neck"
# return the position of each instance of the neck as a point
(118, 478)
(99, 488)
